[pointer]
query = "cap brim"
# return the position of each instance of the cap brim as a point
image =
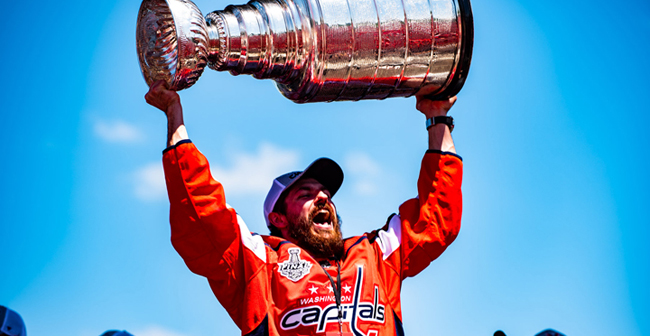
(326, 172)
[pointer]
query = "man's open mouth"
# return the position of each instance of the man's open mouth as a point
(322, 219)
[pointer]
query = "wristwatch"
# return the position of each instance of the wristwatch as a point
(447, 120)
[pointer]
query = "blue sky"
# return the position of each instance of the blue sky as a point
(551, 125)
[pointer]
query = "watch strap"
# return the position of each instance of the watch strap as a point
(447, 120)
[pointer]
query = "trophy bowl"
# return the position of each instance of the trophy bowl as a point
(172, 42)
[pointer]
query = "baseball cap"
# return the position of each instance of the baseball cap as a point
(116, 333)
(324, 170)
(11, 323)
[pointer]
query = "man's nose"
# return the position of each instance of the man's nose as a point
(321, 197)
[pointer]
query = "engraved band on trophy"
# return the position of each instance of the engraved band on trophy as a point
(315, 50)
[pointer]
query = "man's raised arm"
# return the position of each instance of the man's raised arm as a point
(426, 225)
(439, 134)
(169, 102)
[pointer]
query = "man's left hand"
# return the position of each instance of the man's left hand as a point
(434, 108)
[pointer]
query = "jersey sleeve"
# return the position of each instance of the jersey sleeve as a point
(427, 224)
(208, 234)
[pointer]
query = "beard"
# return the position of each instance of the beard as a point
(328, 244)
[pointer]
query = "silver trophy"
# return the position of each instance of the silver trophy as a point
(315, 50)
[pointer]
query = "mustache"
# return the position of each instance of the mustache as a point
(319, 207)
(317, 245)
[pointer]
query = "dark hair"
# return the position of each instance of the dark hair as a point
(275, 231)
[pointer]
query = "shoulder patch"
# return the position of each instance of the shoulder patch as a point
(295, 268)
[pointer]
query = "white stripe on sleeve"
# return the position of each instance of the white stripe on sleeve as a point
(255, 243)
(390, 239)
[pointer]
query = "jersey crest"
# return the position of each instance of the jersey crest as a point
(295, 268)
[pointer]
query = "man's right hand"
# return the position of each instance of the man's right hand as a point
(162, 98)
(169, 102)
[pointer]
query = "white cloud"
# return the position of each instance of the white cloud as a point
(365, 187)
(156, 331)
(364, 171)
(362, 164)
(117, 131)
(150, 182)
(253, 173)
(250, 173)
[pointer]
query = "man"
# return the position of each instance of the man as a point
(304, 279)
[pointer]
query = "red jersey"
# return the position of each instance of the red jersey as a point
(270, 286)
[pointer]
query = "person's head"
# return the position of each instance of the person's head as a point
(11, 324)
(299, 208)
(116, 333)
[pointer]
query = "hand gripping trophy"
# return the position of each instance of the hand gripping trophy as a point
(315, 50)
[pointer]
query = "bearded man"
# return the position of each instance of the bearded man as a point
(304, 279)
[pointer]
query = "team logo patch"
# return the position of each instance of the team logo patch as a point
(295, 268)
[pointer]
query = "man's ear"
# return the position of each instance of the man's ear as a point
(278, 220)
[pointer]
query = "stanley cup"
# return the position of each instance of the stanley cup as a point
(315, 50)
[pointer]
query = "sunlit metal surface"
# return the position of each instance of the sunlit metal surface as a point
(316, 50)
(171, 41)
